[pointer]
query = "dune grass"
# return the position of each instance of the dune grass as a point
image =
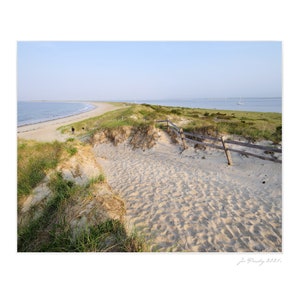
(34, 160)
(252, 125)
(49, 231)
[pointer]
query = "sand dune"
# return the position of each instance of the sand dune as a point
(189, 201)
(194, 201)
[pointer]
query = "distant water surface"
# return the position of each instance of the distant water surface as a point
(241, 104)
(36, 112)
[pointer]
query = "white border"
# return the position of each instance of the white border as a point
(148, 276)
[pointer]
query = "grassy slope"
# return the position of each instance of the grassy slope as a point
(252, 125)
(34, 160)
(49, 231)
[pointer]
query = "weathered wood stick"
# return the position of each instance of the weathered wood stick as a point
(255, 155)
(204, 137)
(205, 144)
(183, 139)
(172, 126)
(168, 126)
(228, 155)
(266, 148)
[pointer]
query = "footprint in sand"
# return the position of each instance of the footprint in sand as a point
(210, 207)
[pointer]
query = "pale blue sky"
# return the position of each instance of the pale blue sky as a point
(148, 70)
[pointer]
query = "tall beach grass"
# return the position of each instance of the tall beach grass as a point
(49, 231)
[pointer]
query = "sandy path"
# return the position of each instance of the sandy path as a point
(47, 131)
(183, 202)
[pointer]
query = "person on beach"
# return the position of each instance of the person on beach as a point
(73, 130)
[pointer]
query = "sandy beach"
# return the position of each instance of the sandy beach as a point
(194, 201)
(190, 200)
(47, 131)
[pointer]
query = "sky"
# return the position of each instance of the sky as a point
(109, 71)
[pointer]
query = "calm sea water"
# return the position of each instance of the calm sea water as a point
(36, 112)
(241, 104)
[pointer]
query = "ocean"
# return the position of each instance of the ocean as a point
(241, 104)
(37, 112)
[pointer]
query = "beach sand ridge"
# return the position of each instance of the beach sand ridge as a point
(194, 201)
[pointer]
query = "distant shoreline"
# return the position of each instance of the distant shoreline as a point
(93, 106)
(47, 131)
(272, 105)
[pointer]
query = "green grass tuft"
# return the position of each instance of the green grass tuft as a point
(98, 179)
(34, 160)
(71, 150)
(30, 236)
(51, 233)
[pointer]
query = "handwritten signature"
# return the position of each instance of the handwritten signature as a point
(259, 261)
